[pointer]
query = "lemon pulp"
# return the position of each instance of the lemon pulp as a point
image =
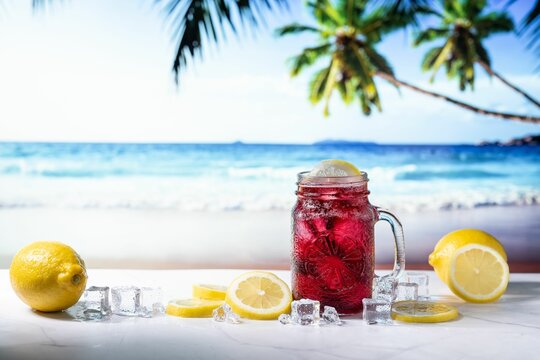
(259, 295)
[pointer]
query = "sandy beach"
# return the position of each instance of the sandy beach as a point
(178, 239)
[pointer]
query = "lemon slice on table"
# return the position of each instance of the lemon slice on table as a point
(194, 308)
(423, 311)
(259, 295)
(473, 265)
(334, 167)
(209, 292)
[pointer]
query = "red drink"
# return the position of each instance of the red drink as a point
(333, 241)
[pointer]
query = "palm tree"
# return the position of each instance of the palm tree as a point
(196, 22)
(348, 34)
(464, 25)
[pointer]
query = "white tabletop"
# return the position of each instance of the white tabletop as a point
(507, 329)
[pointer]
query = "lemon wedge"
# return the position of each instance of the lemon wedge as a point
(423, 311)
(194, 308)
(473, 265)
(259, 295)
(333, 168)
(209, 292)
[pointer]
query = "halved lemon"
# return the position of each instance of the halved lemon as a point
(259, 295)
(334, 167)
(194, 308)
(473, 265)
(478, 273)
(423, 311)
(209, 291)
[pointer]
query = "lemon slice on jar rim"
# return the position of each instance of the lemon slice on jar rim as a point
(334, 168)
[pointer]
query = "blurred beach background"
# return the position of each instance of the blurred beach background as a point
(101, 150)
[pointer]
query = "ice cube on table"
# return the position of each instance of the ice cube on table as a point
(224, 313)
(376, 311)
(330, 316)
(406, 291)
(285, 319)
(305, 312)
(94, 305)
(126, 300)
(151, 302)
(384, 288)
(423, 283)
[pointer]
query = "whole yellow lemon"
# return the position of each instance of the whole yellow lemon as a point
(48, 276)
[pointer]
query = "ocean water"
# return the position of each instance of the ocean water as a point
(245, 177)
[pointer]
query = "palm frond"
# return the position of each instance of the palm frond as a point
(380, 22)
(442, 57)
(346, 90)
(325, 13)
(196, 22)
(473, 8)
(378, 61)
(296, 28)
(530, 27)
(430, 34)
(308, 57)
(351, 10)
(318, 84)
(492, 23)
(430, 58)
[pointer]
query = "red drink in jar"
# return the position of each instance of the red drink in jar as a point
(333, 241)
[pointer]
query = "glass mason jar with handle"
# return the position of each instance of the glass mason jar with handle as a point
(333, 248)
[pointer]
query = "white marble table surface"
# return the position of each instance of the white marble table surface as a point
(507, 329)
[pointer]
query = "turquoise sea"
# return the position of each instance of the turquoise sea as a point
(258, 177)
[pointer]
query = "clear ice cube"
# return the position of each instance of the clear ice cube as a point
(305, 312)
(224, 313)
(151, 302)
(330, 316)
(423, 283)
(406, 291)
(95, 303)
(285, 319)
(376, 311)
(126, 300)
(384, 288)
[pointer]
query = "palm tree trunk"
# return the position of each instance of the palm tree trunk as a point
(500, 115)
(491, 72)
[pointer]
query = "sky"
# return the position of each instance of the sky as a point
(100, 71)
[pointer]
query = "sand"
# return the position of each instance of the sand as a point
(172, 239)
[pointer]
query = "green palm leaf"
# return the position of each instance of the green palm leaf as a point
(318, 84)
(196, 22)
(296, 28)
(308, 57)
(430, 34)
(325, 13)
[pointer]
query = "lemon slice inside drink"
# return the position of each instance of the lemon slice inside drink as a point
(259, 295)
(423, 311)
(209, 291)
(334, 168)
(193, 308)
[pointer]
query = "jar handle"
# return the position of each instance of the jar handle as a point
(397, 230)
